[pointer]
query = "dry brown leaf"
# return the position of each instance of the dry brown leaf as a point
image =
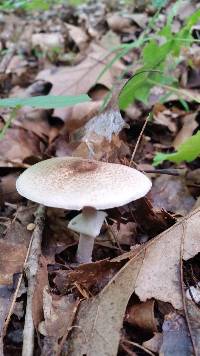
(189, 125)
(56, 313)
(34, 120)
(91, 276)
(81, 78)
(125, 233)
(79, 114)
(110, 39)
(119, 23)
(11, 261)
(156, 220)
(8, 189)
(99, 148)
(172, 194)
(18, 145)
(17, 66)
(13, 247)
(154, 272)
(140, 19)
(48, 41)
(165, 118)
(78, 35)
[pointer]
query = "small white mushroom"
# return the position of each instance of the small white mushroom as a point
(80, 184)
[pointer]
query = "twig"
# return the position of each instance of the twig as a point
(138, 345)
(12, 305)
(170, 172)
(31, 269)
(139, 138)
(129, 352)
(183, 292)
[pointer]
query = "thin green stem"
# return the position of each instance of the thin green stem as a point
(12, 116)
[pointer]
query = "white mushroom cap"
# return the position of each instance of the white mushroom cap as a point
(73, 183)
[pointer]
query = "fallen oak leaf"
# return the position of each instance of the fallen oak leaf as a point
(153, 272)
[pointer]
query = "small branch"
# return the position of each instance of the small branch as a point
(139, 139)
(170, 172)
(135, 344)
(31, 269)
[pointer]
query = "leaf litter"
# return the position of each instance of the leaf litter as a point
(138, 255)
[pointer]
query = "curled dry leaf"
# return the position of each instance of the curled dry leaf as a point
(142, 316)
(153, 272)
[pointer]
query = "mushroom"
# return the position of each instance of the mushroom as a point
(81, 184)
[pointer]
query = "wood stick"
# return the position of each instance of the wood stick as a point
(31, 269)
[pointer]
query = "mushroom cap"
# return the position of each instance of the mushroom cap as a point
(73, 183)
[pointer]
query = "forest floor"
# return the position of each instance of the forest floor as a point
(141, 294)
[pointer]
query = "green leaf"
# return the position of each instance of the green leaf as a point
(153, 54)
(45, 102)
(131, 88)
(142, 93)
(187, 151)
(166, 32)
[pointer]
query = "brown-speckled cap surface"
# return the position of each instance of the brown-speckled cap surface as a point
(72, 183)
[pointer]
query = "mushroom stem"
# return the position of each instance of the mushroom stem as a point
(88, 224)
(85, 248)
